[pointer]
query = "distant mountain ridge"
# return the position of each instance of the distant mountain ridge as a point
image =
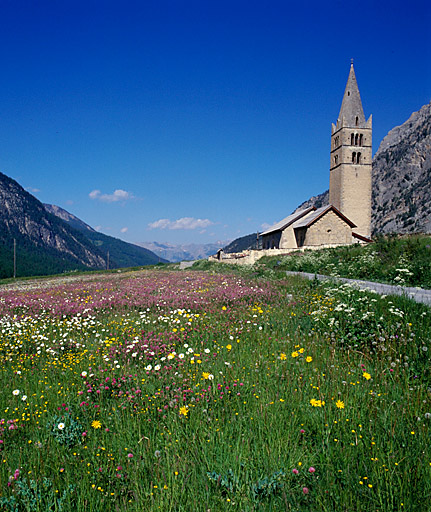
(121, 254)
(183, 252)
(401, 180)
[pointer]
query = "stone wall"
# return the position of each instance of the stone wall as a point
(329, 229)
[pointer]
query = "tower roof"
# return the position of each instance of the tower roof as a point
(351, 112)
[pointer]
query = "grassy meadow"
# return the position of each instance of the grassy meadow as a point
(212, 391)
(399, 260)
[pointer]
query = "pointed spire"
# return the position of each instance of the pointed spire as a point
(351, 112)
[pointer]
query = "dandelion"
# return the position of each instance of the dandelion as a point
(61, 426)
(96, 424)
(339, 404)
(15, 392)
(366, 376)
(206, 375)
(184, 411)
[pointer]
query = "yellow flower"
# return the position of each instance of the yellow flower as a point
(339, 404)
(301, 350)
(283, 356)
(295, 354)
(229, 347)
(205, 375)
(308, 359)
(317, 403)
(184, 411)
(96, 424)
(366, 376)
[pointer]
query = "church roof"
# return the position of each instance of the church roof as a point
(287, 221)
(351, 107)
(317, 214)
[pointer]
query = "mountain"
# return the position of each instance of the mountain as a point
(401, 179)
(242, 244)
(184, 252)
(44, 243)
(121, 254)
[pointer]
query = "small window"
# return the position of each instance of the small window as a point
(360, 139)
(356, 121)
(356, 139)
(358, 158)
(336, 159)
(352, 139)
(353, 157)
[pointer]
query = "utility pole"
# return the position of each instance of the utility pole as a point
(14, 258)
(107, 262)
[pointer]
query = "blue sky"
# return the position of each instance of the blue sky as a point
(195, 121)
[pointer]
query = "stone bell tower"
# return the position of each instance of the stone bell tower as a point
(351, 160)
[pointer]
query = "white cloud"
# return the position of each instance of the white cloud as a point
(33, 190)
(124, 230)
(183, 223)
(117, 195)
(265, 226)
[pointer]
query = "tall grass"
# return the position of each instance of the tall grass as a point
(390, 259)
(202, 391)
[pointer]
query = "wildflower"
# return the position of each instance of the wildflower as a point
(317, 403)
(96, 424)
(295, 471)
(130, 455)
(157, 367)
(311, 469)
(205, 375)
(339, 404)
(171, 355)
(283, 356)
(305, 490)
(148, 368)
(229, 347)
(308, 359)
(295, 354)
(61, 426)
(24, 398)
(157, 454)
(15, 392)
(184, 411)
(366, 376)
(84, 374)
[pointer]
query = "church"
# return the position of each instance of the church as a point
(347, 219)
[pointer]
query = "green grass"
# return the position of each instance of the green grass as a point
(391, 259)
(231, 424)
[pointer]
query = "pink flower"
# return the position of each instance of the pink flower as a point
(130, 455)
(311, 470)
(302, 431)
(295, 471)
(305, 490)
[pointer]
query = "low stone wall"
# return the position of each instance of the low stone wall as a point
(251, 256)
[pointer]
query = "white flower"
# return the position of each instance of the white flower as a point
(84, 374)
(207, 351)
(61, 426)
(148, 368)
(24, 398)
(15, 392)
(210, 376)
(181, 356)
(157, 367)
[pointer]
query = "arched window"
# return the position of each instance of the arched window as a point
(356, 121)
(360, 139)
(358, 158)
(352, 139)
(356, 139)
(353, 157)
(336, 159)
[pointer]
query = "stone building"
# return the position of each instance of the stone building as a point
(347, 219)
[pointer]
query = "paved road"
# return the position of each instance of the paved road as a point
(416, 294)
